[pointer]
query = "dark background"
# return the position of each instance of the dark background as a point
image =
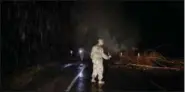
(49, 31)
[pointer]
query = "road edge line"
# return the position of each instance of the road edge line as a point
(74, 80)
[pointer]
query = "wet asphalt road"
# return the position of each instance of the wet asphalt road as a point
(62, 79)
(119, 80)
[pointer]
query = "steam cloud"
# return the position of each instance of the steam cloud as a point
(106, 21)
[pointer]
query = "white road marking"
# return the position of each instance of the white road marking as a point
(74, 80)
(68, 65)
(157, 85)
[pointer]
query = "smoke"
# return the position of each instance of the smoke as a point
(106, 21)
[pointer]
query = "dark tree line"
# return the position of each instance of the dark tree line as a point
(31, 31)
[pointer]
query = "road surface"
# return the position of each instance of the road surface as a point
(67, 78)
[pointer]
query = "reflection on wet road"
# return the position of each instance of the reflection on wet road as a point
(61, 81)
(81, 68)
(131, 80)
(76, 78)
(69, 75)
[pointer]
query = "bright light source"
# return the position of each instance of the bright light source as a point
(71, 51)
(80, 51)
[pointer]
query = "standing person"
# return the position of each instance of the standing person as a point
(97, 56)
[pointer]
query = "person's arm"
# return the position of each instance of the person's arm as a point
(104, 55)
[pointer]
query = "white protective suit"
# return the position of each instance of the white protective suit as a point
(97, 56)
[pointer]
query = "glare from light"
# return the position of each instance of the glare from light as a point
(81, 64)
(67, 65)
(80, 51)
(81, 74)
(71, 52)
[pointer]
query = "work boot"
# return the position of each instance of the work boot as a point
(101, 82)
(93, 80)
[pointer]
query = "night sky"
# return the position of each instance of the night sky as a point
(29, 28)
(160, 23)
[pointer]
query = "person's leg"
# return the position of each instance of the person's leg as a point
(94, 73)
(100, 72)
